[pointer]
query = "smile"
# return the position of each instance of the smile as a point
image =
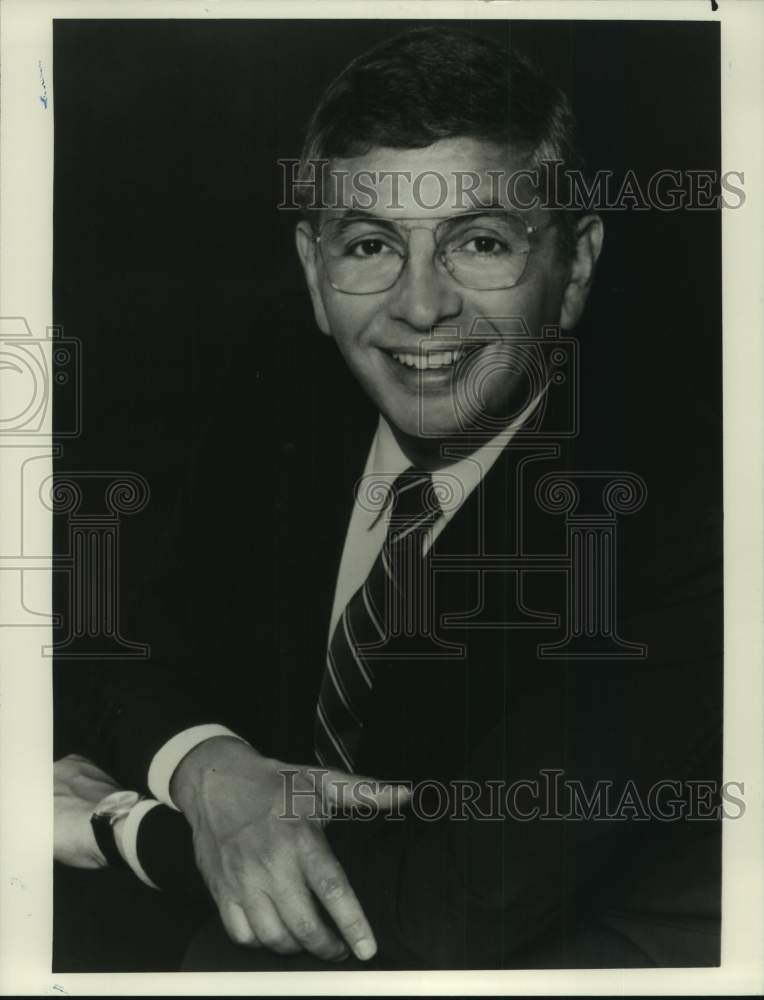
(435, 359)
(432, 360)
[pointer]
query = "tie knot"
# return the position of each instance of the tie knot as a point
(414, 502)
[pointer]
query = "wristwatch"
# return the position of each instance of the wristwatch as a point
(115, 806)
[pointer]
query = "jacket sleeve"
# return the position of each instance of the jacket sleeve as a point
(127, 709)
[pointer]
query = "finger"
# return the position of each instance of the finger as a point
(328, 881)
(270, 929)
(71, 760)
(357, 790)
(69, 768)
(299, 913)
(237, 926)
(387, 796)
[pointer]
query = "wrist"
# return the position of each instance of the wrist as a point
(210, 755)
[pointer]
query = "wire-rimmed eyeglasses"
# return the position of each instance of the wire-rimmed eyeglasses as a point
(486, 250)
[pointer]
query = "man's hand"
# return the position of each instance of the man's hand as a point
(78, 787)
(259, 844)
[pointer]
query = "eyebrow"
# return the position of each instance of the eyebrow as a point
(361, 215)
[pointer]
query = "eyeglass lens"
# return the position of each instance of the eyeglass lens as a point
(479, 251)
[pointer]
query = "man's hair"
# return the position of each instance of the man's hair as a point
(429, 84)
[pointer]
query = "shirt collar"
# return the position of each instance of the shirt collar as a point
(453, 483)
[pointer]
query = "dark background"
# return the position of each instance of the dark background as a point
(177, 273)
(170, 252)
(167, 235)
(168, 242)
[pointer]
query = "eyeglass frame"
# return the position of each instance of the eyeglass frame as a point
(530, 230)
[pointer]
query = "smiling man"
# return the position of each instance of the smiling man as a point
(406, 581)
(401, 289)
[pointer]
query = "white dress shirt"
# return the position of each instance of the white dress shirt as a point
(365, 535)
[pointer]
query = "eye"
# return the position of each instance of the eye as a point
(490, 246)
(369, 247)
(487, 238)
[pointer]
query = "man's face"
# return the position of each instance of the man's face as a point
(436, 357)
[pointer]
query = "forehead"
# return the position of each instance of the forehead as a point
(448, 177)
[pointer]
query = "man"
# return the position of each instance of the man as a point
(371, 611)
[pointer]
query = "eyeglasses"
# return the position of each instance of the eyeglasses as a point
(486, 251)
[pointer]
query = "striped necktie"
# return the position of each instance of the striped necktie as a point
(392, 602)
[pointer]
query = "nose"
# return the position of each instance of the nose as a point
(424, 295)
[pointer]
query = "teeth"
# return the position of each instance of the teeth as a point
(433, 359)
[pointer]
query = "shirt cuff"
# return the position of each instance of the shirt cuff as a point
(167, 758)
(130, 838)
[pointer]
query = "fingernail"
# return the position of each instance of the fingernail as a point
(364, 949)
(341, 956)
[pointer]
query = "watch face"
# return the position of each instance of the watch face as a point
(117, 804)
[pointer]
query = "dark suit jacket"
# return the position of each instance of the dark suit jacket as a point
(237, 608)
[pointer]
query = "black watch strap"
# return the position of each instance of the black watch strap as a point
(104, 835)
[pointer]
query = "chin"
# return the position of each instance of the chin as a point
(431, 430)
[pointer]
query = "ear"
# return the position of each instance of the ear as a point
(307, 252)
(590, 234)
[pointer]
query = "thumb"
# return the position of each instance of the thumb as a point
(360, 792)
